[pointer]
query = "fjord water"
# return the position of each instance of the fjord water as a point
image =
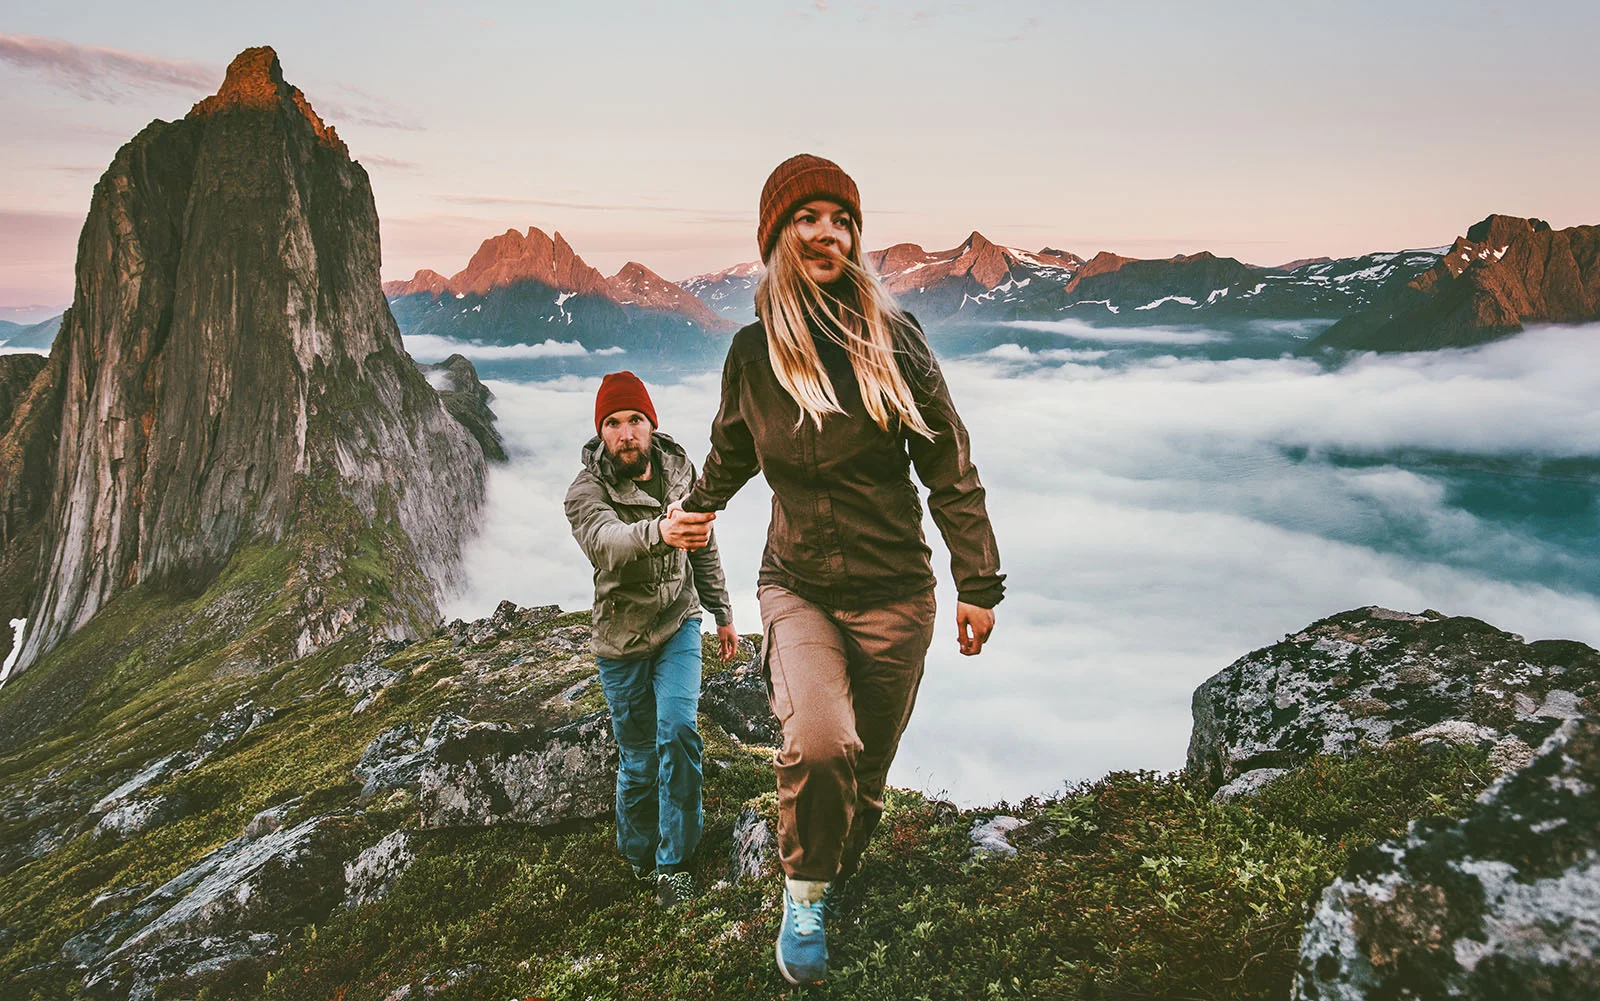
(1166, 499)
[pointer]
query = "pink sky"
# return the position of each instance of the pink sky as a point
(1261, 131)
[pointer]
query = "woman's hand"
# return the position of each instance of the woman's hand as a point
(973, 626)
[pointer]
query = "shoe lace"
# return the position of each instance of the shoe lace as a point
(807, 917)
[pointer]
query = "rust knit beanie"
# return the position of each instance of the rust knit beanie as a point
(800, 179)
(622, 391)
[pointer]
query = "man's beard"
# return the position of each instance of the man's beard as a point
(631, 463)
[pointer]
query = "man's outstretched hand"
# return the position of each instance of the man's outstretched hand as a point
(973, 626)
(688, 530)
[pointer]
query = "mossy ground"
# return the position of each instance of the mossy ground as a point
(1134, 886)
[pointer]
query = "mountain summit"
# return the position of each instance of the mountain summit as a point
(229, 374)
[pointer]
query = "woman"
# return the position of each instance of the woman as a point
(834, 395)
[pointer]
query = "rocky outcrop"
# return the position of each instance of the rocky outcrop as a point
(17, 372)
(1504, 274)
(1502, 903)
(736, 700)
(466, 398)
(1371, 675)
(228, 368)
(495, 773)
(236, 903)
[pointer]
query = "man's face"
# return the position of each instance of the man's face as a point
(626, 435)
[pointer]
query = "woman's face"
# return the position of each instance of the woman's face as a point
(824, 228)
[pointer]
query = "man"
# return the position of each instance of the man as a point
(652, 575)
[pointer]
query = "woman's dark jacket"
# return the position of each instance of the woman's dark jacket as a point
(846, 527)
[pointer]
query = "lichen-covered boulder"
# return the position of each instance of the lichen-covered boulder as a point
(1504, 903)
(370, 875)
(230, 905)
(1371, 675)
(492, 773)
(736, 700)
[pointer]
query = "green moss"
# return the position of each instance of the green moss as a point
(1133, 886)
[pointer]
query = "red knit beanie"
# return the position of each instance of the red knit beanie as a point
(622, 391)
(795, 181)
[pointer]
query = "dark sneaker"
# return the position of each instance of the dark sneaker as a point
(643, 874)
(802, 947)
(673, 888)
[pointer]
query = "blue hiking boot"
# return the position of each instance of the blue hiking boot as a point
(802, 947)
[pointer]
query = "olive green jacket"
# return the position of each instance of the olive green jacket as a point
(644, 589)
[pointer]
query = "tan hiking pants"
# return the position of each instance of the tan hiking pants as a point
(842, 683)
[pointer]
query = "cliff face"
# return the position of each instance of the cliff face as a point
(228, 355)
(1506, 272)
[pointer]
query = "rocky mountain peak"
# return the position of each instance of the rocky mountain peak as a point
(637, 285)
(229, 374)
(254, 81)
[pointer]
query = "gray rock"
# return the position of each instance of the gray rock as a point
(754, 845)
(170, 965)
(1371, 675)
(269, 820)
(991, 837)
(494, 773)
(138, 815)
(395, 758)
(1502, 903)
(231, 904)
(152, 772)
(370, 875)
(1249, 784)
(736, 700)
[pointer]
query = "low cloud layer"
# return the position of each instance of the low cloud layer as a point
(1079, 330)
(1157, 522)
(428, 348)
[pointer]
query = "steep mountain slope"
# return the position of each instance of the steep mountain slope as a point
(229, 374)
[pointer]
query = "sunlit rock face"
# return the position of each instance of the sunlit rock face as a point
(229, 364)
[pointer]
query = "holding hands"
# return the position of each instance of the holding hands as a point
(687, 530)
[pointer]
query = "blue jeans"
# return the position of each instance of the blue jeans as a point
(654, 703)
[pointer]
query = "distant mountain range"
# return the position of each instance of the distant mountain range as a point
(29, 335)
(529, 288)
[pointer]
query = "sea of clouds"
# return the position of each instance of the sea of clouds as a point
(1156, 519)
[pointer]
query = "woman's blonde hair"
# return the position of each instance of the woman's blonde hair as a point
(862, 318)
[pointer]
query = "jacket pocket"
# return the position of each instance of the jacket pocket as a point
(639, 571)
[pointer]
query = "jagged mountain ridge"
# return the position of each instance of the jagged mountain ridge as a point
(528, 288)
(979, 282)
(228, 371)
(1505, 272)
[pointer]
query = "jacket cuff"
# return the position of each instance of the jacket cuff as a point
(652, 533)
(724, 616)
(986, 595)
